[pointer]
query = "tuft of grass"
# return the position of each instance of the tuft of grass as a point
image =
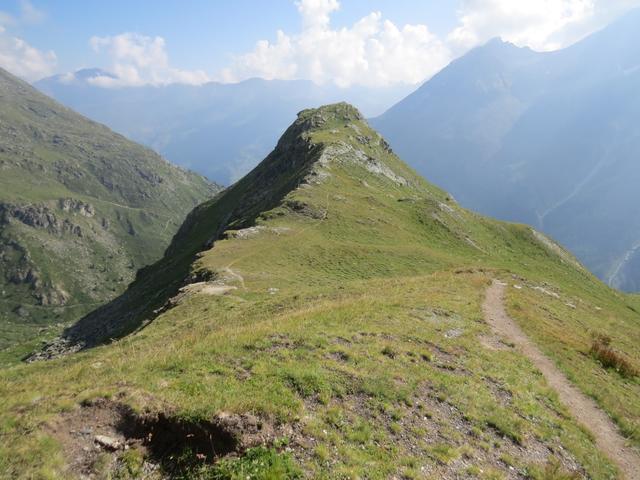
(444, 453)
(552, 470)
(258, 463)
(604, 353)
(132, 462)
(389, 351)
(508, 427)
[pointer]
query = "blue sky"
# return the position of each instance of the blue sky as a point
(339, 41)
(202, 34)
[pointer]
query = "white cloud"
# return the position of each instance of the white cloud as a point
(140, 60)
(376, 52)
(316, 13)
(372, 52)
(29, 14)
(16, 55)
(539, 24)
(23, 60)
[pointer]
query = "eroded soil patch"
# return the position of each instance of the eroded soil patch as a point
(98, 435)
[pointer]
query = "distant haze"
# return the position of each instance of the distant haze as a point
(218, 130)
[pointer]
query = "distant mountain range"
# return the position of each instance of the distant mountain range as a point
(218, 130)
(81, 210)
(550, 139)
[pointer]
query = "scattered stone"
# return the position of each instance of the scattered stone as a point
(445, 208)
(109, 443)
(76, 206)
(546, 292)
(453, 333)
(245, 233)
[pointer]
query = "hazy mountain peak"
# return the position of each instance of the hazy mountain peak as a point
(497, 43)
(79, 77)
(555, 134)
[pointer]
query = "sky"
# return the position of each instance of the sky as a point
(376, 43)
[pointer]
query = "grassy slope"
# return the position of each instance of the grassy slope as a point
(362, 329)
(49, 153)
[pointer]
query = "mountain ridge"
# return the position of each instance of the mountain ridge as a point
(295, 161)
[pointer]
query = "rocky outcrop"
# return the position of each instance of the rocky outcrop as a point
(76, 206)
(41, 217)
(19, 269)
(51, 296)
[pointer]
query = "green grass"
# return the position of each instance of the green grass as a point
(356, 334)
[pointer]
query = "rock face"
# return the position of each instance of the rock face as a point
(41, 217)
(81, 208)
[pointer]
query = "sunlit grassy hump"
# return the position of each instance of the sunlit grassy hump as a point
(331, 297)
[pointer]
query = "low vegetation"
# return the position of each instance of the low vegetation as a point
(602, 351)
(350, 329)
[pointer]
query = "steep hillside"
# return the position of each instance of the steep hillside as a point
(81, 210)
(219, 130)
(322, 318)
(550, 139)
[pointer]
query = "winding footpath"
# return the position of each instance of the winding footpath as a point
(607, 436)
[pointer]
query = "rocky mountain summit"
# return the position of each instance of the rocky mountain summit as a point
(81, 209)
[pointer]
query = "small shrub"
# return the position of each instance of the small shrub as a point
(257, 464)
(443, 453)
(602, 351)
(553, 470)
(389, 352)
(132, 462)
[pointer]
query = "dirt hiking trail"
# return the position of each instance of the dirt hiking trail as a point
(583, 409)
